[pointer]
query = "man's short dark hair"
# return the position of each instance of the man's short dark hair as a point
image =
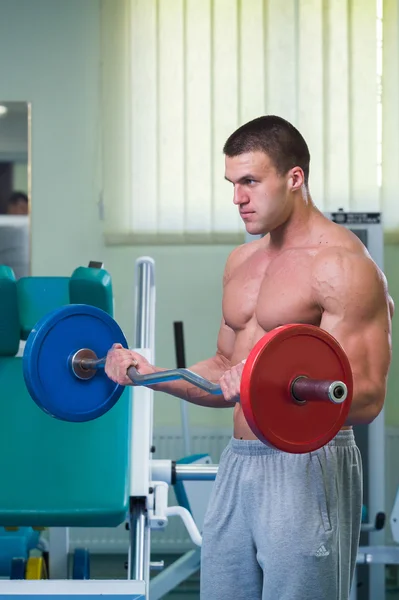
(17, 196)
(274, 136)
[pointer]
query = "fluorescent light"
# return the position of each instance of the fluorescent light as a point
(3, 110)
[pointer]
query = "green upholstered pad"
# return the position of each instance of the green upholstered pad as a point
(91, 286)
(9, 318)
(37, 296)
(55, 473)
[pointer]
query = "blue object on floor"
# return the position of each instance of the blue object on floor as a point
(81, 564)
(16, 544)
(18, 567)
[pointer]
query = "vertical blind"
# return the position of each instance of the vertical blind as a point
(181, 75)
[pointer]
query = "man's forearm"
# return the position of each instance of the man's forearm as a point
(211, 369)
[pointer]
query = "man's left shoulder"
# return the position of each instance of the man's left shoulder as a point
(337, 259)
(341, 270)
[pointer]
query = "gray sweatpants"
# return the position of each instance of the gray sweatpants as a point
(283, 526)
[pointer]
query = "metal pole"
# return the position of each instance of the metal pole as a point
(58, 555)
(181, 364)
(145, 304)
(137, 526)
(195, 472)
(376, 497)
(376, 461)
(139, 556)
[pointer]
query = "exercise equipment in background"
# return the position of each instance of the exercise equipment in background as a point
(40, 458)
(108, 485)
(81, 564)
(178, 332)
(16, 546)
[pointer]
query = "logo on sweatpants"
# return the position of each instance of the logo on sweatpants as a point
(322, 551)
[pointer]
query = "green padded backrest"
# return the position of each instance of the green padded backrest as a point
(9, 317)
(37, 296)
(56, 473)
(91, 286)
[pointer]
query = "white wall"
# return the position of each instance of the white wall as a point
(50, 56)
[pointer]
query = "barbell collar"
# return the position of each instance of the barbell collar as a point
(84, 363)
(304, 389)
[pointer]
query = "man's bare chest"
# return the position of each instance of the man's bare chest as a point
(271, 293)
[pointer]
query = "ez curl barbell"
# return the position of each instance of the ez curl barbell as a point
(296, 385)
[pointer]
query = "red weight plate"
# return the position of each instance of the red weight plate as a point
(275, 361)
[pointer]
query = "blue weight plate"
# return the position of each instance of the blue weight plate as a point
(47, 357)
(81, 564)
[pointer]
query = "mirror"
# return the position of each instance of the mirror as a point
(15, 186)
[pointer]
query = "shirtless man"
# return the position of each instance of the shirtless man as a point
(285, 526)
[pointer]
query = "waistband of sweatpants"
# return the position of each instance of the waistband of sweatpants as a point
(344, 438)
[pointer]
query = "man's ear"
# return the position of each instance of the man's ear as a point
(297, 179)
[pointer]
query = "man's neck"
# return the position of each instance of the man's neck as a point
(296, 228)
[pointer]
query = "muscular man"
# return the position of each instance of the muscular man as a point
(285, 526)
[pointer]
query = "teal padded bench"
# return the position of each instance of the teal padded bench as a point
(54, 473)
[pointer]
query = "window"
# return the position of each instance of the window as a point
(186, 73)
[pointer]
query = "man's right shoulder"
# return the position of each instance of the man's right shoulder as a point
(244, 250)
(238, 256)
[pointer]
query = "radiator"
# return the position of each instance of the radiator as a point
(174, 538)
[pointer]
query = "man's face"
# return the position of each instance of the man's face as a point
(18, 208)
(260, 193)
